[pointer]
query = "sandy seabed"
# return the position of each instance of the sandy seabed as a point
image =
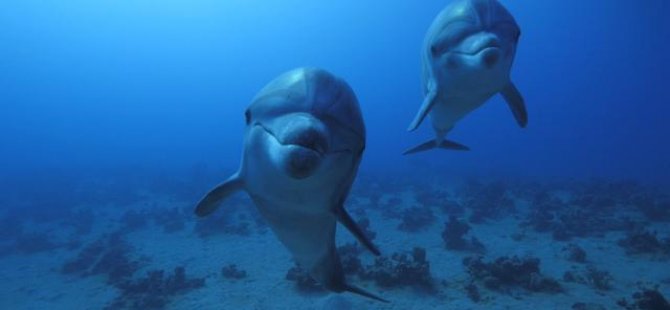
(35, 281)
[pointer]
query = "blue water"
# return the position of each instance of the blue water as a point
(151, 95)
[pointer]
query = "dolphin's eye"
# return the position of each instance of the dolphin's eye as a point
(247, 117)
(434, 50)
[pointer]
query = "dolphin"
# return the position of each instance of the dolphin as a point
(303, 142)
(466, 59)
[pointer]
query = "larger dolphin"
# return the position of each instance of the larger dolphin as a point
(304, 140)
(467, 56)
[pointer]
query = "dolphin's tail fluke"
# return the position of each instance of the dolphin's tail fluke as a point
(362, 292)
(445, 144)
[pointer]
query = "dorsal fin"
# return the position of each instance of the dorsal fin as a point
(213, 198)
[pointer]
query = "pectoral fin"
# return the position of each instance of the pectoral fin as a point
(426, 106)
(516, 104)
(211, 201)
(346, 220)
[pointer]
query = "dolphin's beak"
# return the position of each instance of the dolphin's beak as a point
(485, 47)
(303, 143)
(309, 138)
(479, 43)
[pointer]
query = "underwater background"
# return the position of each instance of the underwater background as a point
(117, 116)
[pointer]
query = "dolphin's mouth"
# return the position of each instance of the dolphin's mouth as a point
(485, 49)
(308, 141)
(489, 47)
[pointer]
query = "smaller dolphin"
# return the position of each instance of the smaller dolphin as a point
(302, 146)
(467, 56)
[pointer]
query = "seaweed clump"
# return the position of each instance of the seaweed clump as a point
(575, 253)
(590, 211)
(404, 269)
(303, 281)
(349, 259)
(508, 273)
(109, 255)
(349, 252)
(155, 290)
(642, 241)
(592, 276)
(453, 233)
(488, 201)
(646, 299)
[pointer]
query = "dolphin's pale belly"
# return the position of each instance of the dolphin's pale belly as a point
(308, 236)
(447, 113)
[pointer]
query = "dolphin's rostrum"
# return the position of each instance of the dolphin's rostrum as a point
(467, 56)
(303, 142)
